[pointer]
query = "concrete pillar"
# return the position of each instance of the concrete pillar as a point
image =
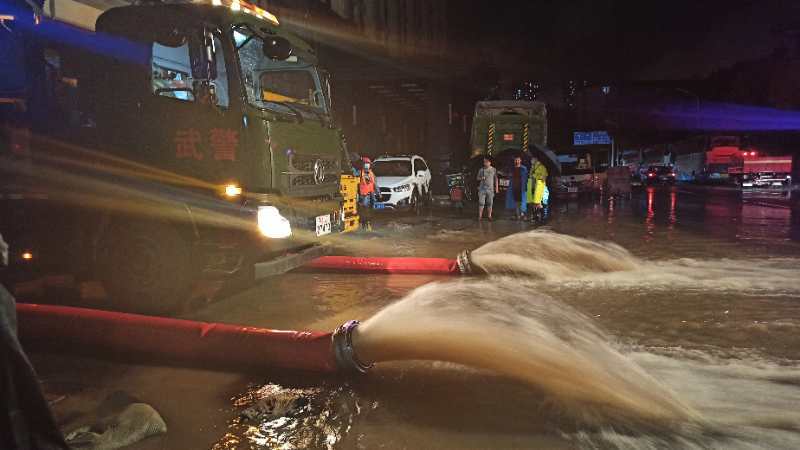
(422, 24)
(372, 14)
(358, 13)
(393, 35)
(440, 26)
(438, 128)
(412, 26)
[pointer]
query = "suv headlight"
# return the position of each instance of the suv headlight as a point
(272, 224)
(402, 188)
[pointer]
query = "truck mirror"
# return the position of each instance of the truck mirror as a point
(210, 56)
(204, 64)
(277, 48)
(199, 58)
(325, 93)
(171, 37)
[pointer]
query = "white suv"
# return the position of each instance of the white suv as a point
(402, 181)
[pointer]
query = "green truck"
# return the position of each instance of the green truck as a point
(176, 141)
(506, 129)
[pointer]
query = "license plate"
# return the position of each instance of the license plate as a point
(504, 183)
(572, 189)
(323, 225)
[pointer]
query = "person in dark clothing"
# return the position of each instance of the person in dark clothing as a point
(26, 422)
(516, 198)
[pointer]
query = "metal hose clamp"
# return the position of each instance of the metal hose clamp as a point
(466, 266)
(343, 350)
(463, 262)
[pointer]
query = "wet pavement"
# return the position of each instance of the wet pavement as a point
(711, 309)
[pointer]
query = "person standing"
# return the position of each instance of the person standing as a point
(366, 184)
(488, 186)
(516, 195)
(536, 188)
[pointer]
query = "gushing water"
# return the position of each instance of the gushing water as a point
(503, 324)
(570, 261)
(551, 256)
(506, 323)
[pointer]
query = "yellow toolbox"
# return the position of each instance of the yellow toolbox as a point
(351, 224)
(350, 207)
(348, 186)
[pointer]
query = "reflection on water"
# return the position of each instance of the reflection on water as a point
(702, 342)
(696, 303)
(272, 416)
(650, 224)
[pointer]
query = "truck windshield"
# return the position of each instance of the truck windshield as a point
(283, 86)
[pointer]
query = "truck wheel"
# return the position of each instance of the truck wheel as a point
(148, 268)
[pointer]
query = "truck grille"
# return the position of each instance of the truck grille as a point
(301, 170)
(386, 194)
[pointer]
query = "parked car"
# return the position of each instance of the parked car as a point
(403, 181)
(660, 174)
(579, 176)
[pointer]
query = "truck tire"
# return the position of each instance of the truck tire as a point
(147, 268)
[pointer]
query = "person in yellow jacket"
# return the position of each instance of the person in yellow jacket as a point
(537, 183)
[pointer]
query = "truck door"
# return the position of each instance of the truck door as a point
(191, 115)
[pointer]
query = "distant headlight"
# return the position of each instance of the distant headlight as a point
(272, 224)
(403, 188)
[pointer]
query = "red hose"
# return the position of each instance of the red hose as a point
(434, 266)
(171, 341)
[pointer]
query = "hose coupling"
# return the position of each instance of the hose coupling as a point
(465, 265)
(343, 350)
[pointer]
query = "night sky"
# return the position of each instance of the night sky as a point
(615, 39)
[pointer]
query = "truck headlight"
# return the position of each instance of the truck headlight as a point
(402, 188)
(272, 224)
(233, 190)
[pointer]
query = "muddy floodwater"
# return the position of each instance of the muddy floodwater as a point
(667, 320)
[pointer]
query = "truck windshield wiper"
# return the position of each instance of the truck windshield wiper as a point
(291, 108)
(312, 110)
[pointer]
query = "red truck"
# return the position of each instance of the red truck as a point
(723, 161)
(766, 171)
(727, 161)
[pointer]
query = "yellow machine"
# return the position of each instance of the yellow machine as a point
(349, 190)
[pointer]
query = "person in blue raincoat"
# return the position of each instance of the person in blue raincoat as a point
(516, 198)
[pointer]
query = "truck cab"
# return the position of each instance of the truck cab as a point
(177, 140)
